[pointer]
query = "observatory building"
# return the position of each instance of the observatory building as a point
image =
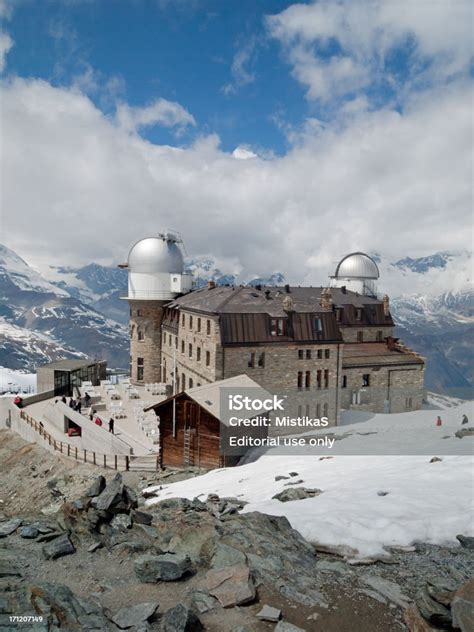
(326, 348)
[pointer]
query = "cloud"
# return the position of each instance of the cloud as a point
(336, 48)
(77, 187)
(6, 43)
(160, 112)
(241, 76)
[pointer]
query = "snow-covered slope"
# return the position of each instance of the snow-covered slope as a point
(16, 381)
(368, 503)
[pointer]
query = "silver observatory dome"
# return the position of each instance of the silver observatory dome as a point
(357, 265)
(156, 254)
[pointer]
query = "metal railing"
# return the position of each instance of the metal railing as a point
(122, 462)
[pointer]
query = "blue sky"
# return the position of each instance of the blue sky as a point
(275, 136)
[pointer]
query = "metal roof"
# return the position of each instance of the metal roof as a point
(357, 265)
(156, 255)
(374, 353)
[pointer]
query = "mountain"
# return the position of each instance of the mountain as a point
(41, 321)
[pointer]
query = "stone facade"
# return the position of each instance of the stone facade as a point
(366, 334)
(145, 341)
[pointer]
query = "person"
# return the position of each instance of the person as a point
(63, 399)
(111, 425)
(438, 421)
(91, 414)
(72, 403)
(87, 399)
(465, 420)
(98, 421)
(18, 401)
(79, 406)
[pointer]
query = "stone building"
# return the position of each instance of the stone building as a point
(324, 349)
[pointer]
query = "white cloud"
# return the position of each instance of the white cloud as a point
(79, 188)
(243, 153)
(241, 76)
(6, 43)
(338, 47)
(160, 112)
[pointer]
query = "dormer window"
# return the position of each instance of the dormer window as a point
(317, 327)
(358, 313)
(277, 326)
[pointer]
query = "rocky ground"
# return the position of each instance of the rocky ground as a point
(81, 552)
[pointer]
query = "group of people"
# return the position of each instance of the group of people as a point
(77, 406)
(98, 421)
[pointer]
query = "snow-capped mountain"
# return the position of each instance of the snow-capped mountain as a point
(42, 322)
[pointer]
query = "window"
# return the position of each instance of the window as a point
(170, 340)
(300, 354)
(183, 381)
(261, 360)
(325, 410)
(277, 327)
(190, 322)
(344, 381)
(379, 336)
(408, 402)
(326, 378)
(191, 383)
(176, 342)
(139, 312)
(208, 327)
(327, 353)
(198, 354)
(190, 350)
(208, 358)
(318, 378)
(251, 360)
(199, 324)
(308, 354)
(320, 354)
(141, 335)
(366, 379)
(358, 313)
(307, 379)
(317, 327)
(360, 336)
(140, 369)
(182, 346)
(300, 379)
(318, 411)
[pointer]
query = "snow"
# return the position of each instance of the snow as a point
(14, 381)
(428, 502)
(23, 276)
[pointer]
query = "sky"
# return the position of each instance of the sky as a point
(272, 135)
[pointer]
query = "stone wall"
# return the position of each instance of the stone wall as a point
(370, 334)
(145, 340)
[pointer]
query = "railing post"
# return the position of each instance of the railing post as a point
(54, 445)
(127, 462)
(85, 456)
(76, 453)
(93, 458)
(68, 449)
(115, 461)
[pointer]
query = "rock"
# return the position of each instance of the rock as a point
(462, 608)
(225, 555)
(9, 527)
(441, 590)
(284, 626)
(232, 585)
(293, 473)
(180, 619)
(298, 482)
(29, 532)
(414, 621)
(204, 602)
(130, 497)
(464, 432)
(388, 589)
(382, 493)
(111, 495)
(94, 547)
(8, 568)
(47, 537)
(296, 493)
(466, 541)
(58, 547)
(267, 613)
(281, 478)
(142, 517)
(79, 504)
(121, 521)
(97, 487)
(431, 610)
(435, 459)
(166, 567)
(134, 615)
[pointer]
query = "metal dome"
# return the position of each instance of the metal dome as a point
(156, 254)
(357, 265)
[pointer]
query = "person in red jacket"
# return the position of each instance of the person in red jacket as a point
(98, 421)
(18, 401)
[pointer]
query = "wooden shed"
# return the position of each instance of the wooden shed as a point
(191, 426)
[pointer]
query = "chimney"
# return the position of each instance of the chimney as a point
(287, 288)
(267, 294)
(325, 300)
(386, 305)
(211, 284)
(391, 343)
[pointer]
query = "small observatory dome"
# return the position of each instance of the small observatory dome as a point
(357, 265)
(156, 254)
(357, 272)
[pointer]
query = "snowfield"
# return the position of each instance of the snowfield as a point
(14, 381)
(368, 503)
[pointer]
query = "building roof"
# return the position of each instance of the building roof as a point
(70, 365)
(357, 265)
(375, 353)
(245, 300)
(208, 396)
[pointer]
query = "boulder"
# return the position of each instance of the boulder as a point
(284, 626)
(8, 568)
(268, 613)
(414, 621)
(134, 615)
(462, 608)
(29, 532)
(464, 432)
(142, 517)
(97, 487)
(112, 494)
(280, 477)
(434, 612)
(130, 497)
(204, 602)
(121, 521)
(232, 585)
(466, 541)
(58, 547)
(296, 493)
(9, 527)
(225, 555)
(180, 619)
(166, 567)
